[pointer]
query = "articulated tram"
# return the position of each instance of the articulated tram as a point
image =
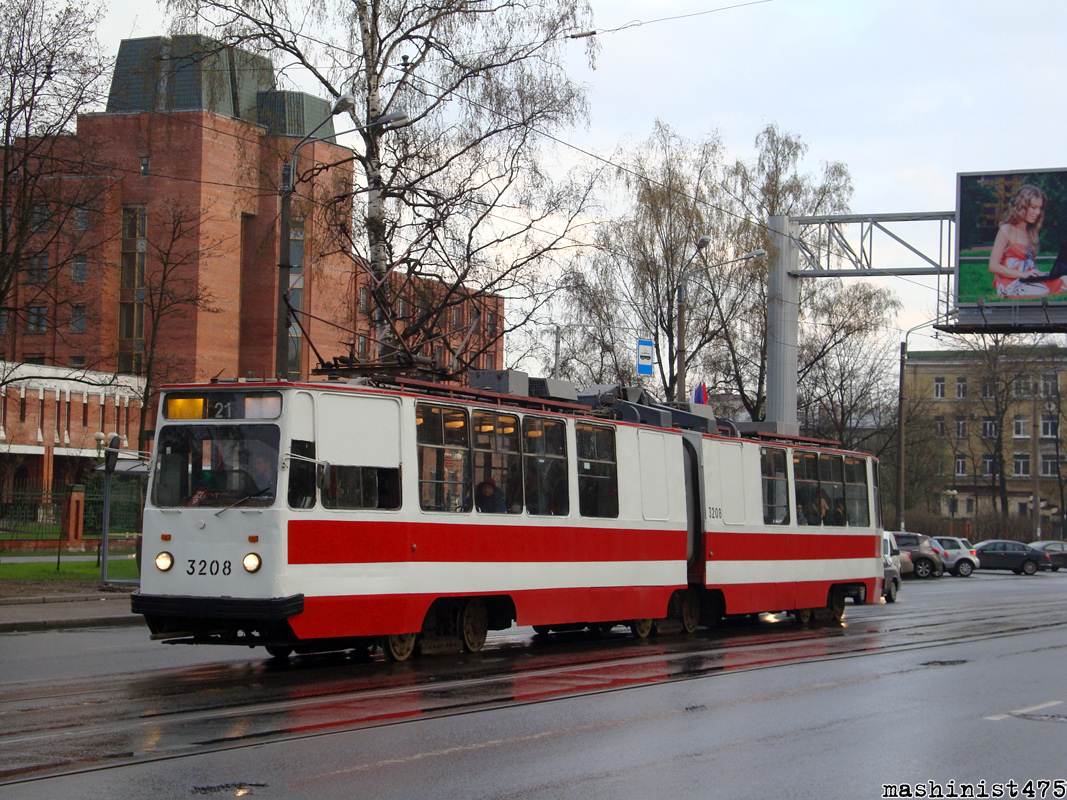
(417, 516)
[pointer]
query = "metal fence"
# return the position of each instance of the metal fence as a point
(34, 514)
(30, 514)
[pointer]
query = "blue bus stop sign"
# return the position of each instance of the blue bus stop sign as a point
(644, 357)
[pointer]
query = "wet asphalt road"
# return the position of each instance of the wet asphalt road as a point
(960, 680)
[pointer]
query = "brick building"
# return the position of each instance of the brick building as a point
(992, 414)
(157, 250)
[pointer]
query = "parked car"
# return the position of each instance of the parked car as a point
(906, 567)
(1056, 551)
(960, 558)
(1022, 559)
(890, 568)
(925, 555)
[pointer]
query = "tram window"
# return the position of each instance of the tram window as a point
(362, 487)
(832, 485)
(302, 474)
(544, 448)
(443, 438)
(811, 506)
(856, 502)
(775, 486)
(497, 463)
(598, 475)
(216, 465)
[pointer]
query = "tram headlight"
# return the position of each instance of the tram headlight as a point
(252, 562)
(164, 561)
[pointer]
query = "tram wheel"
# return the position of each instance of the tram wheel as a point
(803, 615)
(279, 652)
(399, 646)
(473, 625)
(542, 630)
(690, 611)
(641, 628)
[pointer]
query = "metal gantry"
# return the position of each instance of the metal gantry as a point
(842, 246)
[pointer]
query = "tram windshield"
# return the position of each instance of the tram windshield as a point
(216, 465)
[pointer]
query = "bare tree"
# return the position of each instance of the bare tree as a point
(171, 291)
(460, 194)
(850, 395)
(773, 184)
(627, 287)
(51, 69)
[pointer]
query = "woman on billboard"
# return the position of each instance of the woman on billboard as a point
(1012, 261)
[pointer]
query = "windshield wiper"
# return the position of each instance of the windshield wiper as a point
(246, 497)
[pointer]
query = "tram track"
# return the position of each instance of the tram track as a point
(155, 717)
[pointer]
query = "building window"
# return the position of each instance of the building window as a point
(1021, 464)
(79, 268)
(969, 505)
(961, 427)
(961, 388)
(81, 219)
(37, 319)
(361, 346)
(134, 220)
(987, 464)
(77, 319)
(131, 276)
(1022, 386)
(939, 426)
(3, 321)
(40, 216)
(988, 388)
(961, 466)
(131, 320)
(129, 363)
(1048, 465)
(145, 165)
(37, 272)
(1050, 426)
(490, 323)
(989, 428)
(1021, 427)
(1050, 385)
(939, 388)
(364, 299)
(490, 360)
(457, 316)
(77, 362)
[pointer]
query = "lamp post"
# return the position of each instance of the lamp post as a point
(345, 102)
(702, 242)
(950, 497)
(109, 444)
(900, 422)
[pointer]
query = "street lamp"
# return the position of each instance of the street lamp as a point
(702, 242)
(950, 496)
(900, 421)
(344, 103)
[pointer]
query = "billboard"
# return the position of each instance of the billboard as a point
(1011, 269)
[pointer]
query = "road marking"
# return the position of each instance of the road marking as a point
(1030, 710)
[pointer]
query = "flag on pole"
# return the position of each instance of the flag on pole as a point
(700, 394)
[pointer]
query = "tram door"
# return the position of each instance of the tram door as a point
(693, 518)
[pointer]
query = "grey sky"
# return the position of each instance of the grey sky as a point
(906, 92)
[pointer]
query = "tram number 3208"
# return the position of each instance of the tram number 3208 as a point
(204, 567)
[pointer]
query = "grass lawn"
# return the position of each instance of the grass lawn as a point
(117, 568)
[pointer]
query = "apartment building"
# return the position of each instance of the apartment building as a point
(993, 414)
